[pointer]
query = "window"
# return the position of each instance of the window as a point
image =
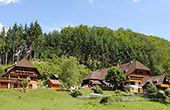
(154, 82)
(126, 83)
(33, 78)
(23, 77)
(132, 83)
(131, 66)
(14, 77)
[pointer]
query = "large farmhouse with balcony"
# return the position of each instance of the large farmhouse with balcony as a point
(23, 70)
(134, 72)
(137, 77)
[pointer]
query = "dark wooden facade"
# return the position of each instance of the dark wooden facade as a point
(23, 70)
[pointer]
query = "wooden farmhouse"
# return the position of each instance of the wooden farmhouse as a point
(23, 70)
(95, 78)
(161, 82)
(54, 83)
(134, 72)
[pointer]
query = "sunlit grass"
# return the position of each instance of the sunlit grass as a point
(46, 99)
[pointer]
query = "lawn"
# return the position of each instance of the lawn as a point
(43, 99)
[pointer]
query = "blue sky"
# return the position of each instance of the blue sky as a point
(150, 17)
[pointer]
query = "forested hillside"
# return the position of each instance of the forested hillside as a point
(95, 47)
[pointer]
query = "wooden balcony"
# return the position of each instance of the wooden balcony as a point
(140, 74)
(134, 79)
(4, 79)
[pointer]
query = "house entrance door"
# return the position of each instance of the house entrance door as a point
(30, 86)
(15, 85)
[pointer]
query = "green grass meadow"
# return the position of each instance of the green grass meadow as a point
(42, 99)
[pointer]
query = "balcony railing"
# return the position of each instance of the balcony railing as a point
(134, 79)
(140, 74)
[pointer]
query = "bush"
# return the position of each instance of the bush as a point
(151, 90)
(98, 90)
(117, 98)
(76, 93)
(167, 92)
(24, 83)
(160, 95)
(120, 93)
(106, 100)
(111, 99)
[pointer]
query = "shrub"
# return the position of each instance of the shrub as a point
(160, 95)
(76, 93)
(167, 92)
(117, 98)
(151, 90)
(106, 100)
(98, 90)
(120, 93)
(111, 99)
(24, 83)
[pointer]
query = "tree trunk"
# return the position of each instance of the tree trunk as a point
(6, 58)
(25, 53)
(30, 51)
(0, 59)
(13, 54)
(17, 58)
(35, 54)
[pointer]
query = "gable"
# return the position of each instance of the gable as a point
(157, 80)
(22, 65)
(129, 68)
(100, 75)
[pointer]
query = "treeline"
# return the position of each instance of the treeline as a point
(95, 47)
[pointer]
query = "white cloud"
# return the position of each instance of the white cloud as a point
(50, 28)
(91, 1)
(1, 26)
(46, 28)
(5, 2)
(136, 1)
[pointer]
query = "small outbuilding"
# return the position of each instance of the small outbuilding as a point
(53, 84)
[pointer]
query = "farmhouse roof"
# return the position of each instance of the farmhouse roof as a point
(131, 66)
(99, 75)
(54, 81)
(24, 64)
(157, 80)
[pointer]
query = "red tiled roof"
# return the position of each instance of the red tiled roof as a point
(132, 66)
